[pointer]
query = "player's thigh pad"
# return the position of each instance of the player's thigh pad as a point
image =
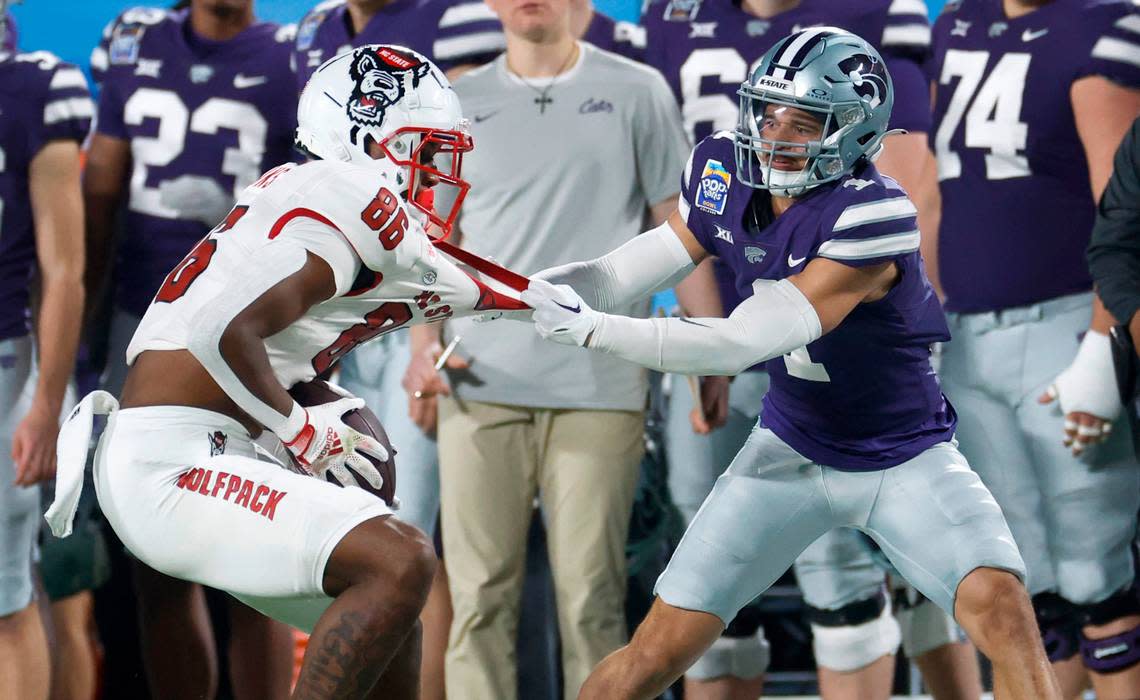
(226, 520)
(19, 506)
(936, 522)
(762, 512)
(838, 569)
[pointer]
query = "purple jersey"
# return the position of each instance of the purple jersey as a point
(1017, 209)
(41, 100)
(864, 396)
(707, 48)
(204, 119)
(623, 38)
(449, 32)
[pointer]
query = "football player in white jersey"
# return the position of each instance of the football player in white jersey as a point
(313, 260)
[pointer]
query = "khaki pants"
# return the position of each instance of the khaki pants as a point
(583, 465)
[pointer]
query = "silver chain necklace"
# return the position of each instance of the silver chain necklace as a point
(544, 97)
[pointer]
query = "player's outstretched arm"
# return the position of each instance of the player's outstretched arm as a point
(651, 262)
(778, 318)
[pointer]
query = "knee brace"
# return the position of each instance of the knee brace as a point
(739, 657)
(1111, 654)
(924, 625)
(1060, 626)
(855, 635)
(1120, 651)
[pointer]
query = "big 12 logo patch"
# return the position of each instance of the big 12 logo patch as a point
(712, 190)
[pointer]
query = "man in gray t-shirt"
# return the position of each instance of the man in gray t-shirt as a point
(575, 148)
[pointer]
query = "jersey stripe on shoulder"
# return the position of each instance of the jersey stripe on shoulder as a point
(907, 25)
(468, 32)
(68, 77)
(467, 12)
(874, 212)
(863, 248)
(68, 109)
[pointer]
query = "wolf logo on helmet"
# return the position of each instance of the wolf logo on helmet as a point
(383, 77)
(381, 105)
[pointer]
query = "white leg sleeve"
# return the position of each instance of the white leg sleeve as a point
(851, 647)
(649, 263)
(735, 657)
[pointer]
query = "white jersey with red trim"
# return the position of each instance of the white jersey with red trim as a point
(388, 273)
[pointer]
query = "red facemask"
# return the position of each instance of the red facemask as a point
(434, 145)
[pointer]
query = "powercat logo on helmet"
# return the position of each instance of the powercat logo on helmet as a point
(381, 78)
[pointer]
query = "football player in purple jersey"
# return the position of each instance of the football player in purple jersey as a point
(705, 48)
(1031, 100)
(195, 103)
(454, 33)
(45, 112)
(855, 431)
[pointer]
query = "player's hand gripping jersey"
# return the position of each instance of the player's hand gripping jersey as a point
(388, 273)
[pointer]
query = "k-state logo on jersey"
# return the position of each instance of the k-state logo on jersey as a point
(712, 191)
(382, 77)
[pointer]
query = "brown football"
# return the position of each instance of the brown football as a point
(362, 419)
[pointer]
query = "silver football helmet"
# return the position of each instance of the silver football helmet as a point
(836, 77)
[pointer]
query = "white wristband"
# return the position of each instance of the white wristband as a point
(289, 427)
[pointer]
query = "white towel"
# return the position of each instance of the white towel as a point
(71, 458)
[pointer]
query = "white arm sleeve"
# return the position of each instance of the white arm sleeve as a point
(775, 320)
(275, 262)
(648, 263)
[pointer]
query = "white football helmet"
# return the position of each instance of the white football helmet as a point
(398, 100)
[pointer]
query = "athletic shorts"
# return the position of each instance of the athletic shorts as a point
(185, 493)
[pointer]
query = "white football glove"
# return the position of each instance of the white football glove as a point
(326, 444)
(559, 313)
(1088, 386)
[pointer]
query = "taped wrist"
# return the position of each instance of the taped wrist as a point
(651, 262)
(775, 320)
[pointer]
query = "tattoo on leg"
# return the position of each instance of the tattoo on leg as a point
(345, 662)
